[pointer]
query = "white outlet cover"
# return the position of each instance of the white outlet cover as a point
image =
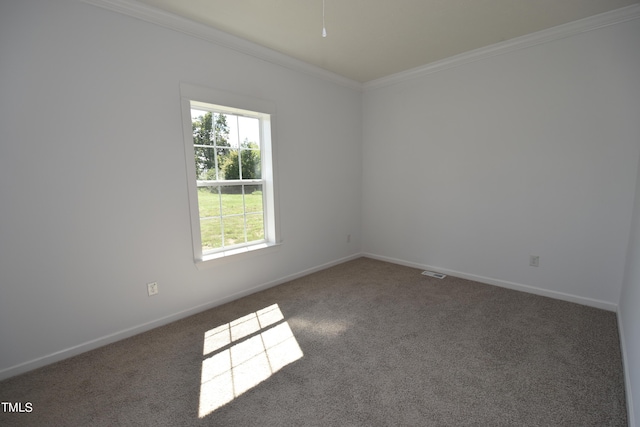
(152, 288)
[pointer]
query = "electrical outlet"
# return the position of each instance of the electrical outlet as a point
(348, 238)
(152, 288)
(534, 261)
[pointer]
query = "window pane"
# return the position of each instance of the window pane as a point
(221, 130)
(208, 202)
(210, 233)
(249, 130)
(255, 227)
(228, 164)
(232, 200)
(253, 198)
(205, 162)
(233, 229)
(251, 167)
(201, 123)
(224, 157)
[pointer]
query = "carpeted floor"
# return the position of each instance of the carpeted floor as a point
(365, 343)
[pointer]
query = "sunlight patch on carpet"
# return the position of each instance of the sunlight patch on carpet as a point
(243, 353)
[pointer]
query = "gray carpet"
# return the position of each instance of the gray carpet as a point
(365, 343)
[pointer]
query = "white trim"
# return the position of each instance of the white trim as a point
(177, 23)
(502, 283)
(186, 26)
(226, 101)
(544, 36)
(223, 101)
(625, 367)
(238, 254)
(147, 326)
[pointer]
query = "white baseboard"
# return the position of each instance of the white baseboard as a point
(126, 333)
(625, 367)
(129, 332)
(502, 283)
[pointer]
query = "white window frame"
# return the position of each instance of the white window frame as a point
(231, 103)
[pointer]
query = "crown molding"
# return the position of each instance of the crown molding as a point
(544, 36)
(186, 26)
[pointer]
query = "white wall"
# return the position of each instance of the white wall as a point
(533, 152)
(93, 192)
(469, 170)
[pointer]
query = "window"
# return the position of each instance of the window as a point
(229, 155)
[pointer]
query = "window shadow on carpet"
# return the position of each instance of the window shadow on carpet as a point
(241, 354)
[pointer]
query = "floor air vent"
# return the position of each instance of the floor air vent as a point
(434, 274)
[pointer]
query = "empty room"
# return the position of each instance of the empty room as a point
(308, 212)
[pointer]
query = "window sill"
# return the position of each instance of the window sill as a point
(238, 254)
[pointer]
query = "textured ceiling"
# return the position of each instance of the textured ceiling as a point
(370, 39)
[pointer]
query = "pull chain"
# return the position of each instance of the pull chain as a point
(324, 30)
